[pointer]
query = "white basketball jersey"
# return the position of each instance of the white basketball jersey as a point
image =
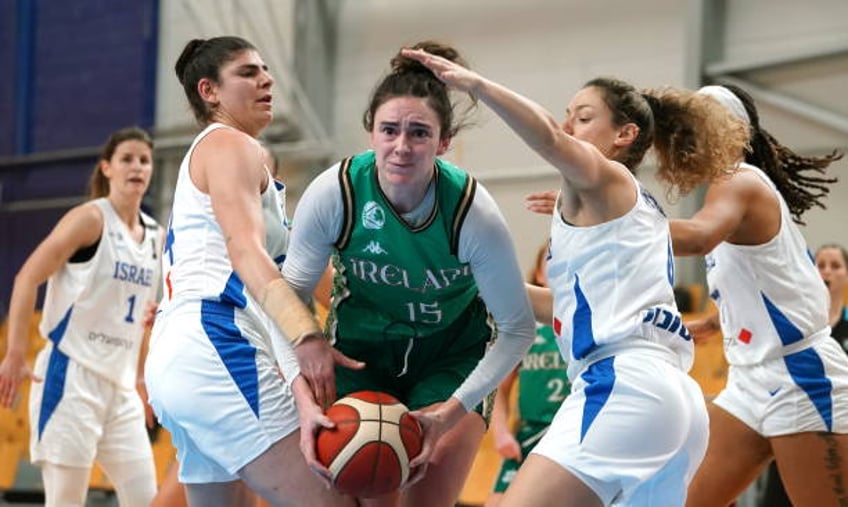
(93, 310)
(770, 296)
(612, 286)
(196, 265)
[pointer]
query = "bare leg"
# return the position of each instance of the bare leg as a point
(446, 472)
(494, 500)
(541, 482)
(736, 455)
(449, 465)
(814, 467)
(214, 494)
(281, 477)
(171, 493)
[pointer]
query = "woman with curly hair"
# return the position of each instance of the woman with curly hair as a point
(787, 392)
(634, 428)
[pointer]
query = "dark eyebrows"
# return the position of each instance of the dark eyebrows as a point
(412, 124)
(581, 106)
(253, 67)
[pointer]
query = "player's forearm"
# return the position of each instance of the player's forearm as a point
(21, 309)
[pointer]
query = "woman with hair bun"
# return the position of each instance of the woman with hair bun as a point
(422, 259)
(229, 324)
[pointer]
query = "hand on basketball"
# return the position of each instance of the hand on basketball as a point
(450, 73)
(434, 423)
(541, 202)
(317, 359)
(312, 419)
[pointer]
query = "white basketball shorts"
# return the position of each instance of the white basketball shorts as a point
(803, 391)
(221, 397)
(634, 429)
(77, 416)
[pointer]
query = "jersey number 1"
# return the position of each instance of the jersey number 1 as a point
(131, 302)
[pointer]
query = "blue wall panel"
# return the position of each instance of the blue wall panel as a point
(8, 33)
(90, 66)
(92, 73)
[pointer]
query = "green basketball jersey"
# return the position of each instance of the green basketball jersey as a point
(395, 281)
(542, 382)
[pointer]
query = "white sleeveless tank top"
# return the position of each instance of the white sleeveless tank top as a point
(771, 298)
(612, 287)
(93, 310)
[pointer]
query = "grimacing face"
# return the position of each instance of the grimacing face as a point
(589, 119)
(406, 139)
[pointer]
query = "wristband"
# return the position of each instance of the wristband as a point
(289, 313)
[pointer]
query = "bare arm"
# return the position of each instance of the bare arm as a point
(542, 301)
(725, 206)
(229, 165)
(79, 228)
(583, 167)
(504, 440)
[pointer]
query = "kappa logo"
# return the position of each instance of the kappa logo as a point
(373, 216)
(375, 248)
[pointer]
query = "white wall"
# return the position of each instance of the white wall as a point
(544, 49)
(266, 24)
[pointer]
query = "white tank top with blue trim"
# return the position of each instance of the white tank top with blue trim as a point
(771, 298)
(612, 287)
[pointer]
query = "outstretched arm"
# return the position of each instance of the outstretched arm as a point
(724, 210)
(581, 164)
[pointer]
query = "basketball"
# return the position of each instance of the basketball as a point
(369, 450)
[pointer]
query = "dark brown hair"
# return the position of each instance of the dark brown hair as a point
(203, 58)
(98, 183)
(785, 167)
(409, 78)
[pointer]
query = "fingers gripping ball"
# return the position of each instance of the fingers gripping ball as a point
(369, 450)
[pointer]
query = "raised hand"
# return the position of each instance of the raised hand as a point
(449, 72)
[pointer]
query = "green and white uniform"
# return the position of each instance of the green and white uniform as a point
(542, 385)
(413, 292)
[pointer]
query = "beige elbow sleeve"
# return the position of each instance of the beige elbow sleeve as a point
(293, 318)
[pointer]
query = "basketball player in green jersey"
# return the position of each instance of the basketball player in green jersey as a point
(542, 385)
(423, 262)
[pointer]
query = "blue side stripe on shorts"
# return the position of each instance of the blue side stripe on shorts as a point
(54, 386)
(238, 355)
(234, 292)
(786, 330)
(600, 379)
(807, 370)
(584, 338)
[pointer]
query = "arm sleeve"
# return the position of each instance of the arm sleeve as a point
(315, 227)
(485, 243)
